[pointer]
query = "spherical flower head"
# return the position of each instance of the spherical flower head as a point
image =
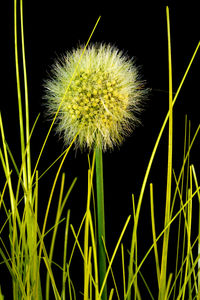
(97, 95)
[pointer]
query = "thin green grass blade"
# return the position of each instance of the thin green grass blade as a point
(173, 202)
(61, 205)
(135, 262)
(53, 163)
(1, 294)
(68, 194)
(69, 284)
(76, 244)
(2, 200)
(87, 262)
(94, 248)
(12, 159)
(80, 249)
(131, 258)
(45, 257)
(163, 270)
(93, 199)
(123, 270)
(5, 163)
(76, 239)
(65, 272)
(87, 272)
(20, 174)
(111, 294)
(168, 286)
(67, 88)
(56, 293)
(112, 273)
(50, 199)
(58, 215)
(27, 128)
(21, 121)
(154, 234)
(35, 258)
(146, 285)
(188, 228)
(114, 253)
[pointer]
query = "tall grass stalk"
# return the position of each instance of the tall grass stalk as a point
(163, 271)
(180, 217)
(26, 155)
(87, 248)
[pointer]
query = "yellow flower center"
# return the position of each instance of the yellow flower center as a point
(93, 97)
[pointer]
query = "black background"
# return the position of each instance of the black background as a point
(51, 28)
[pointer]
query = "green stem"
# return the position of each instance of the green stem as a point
(100, 219)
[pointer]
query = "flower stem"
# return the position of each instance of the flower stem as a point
(100, 219)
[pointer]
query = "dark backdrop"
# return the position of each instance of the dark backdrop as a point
(51, 28)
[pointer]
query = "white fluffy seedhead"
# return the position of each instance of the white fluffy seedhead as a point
(97, 95)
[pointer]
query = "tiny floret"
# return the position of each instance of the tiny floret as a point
(95, 95)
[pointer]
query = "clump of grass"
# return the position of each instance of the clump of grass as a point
(25, 253)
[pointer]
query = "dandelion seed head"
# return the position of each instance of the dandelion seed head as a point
(97, 95)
